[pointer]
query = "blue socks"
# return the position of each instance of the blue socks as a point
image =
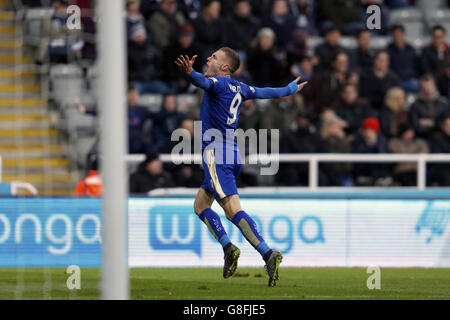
(248, 228)
(212, 221)
(241, 220)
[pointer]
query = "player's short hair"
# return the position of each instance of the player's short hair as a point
(233, 57)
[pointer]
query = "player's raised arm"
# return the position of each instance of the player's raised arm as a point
(186, 65)
(271, 93)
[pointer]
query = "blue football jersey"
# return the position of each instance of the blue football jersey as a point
(220, 108)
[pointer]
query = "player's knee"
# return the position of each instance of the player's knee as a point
(230, 214)
(197, 208)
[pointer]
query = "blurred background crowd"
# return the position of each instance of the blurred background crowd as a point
(384, 90)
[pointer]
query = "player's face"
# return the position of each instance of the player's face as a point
(214, 63)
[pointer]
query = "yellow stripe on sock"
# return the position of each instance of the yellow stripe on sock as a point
(211, 229)
(248, 232)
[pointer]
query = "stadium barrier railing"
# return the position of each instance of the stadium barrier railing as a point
(313, 159)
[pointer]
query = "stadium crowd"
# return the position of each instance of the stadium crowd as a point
(355, 101)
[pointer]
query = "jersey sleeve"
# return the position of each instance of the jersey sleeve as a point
(248, 92)
(211, 84)
(218, 85)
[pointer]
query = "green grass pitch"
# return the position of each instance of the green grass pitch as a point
(247, 283)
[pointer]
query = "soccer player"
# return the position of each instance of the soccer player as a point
(220, 112)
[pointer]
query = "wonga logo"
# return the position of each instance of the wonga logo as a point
(434, 219)
(174, 228)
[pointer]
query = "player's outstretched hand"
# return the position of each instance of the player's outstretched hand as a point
(185, 64)
(300, 85)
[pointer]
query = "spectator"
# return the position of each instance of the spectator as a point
(385, 22)
(241, 28)
(144, 61)
(184, 46)
(187, 175)
(328, 83)
(335, 141)
(378, 81)
(250, 116)
(280, 113)
(398, 4)
(150, 175)
(342, 14)
(91, 185)
(443, 80)
(166, 120)
(370, 140)
(164, 22)
(138, 115)
(428, 108)
(403, 60)
(440, 143)
(64, 44)
(405, 172)
(305, 69)
(302, 138)
(136, 32)
(281, 22)
(190, 8)
(393, 113)
(436, 53)
(242, 74)
(298, 47)
(148, 8)
(362, 56)
(303, 12)
(351, 108)
(262, 62)
(327, 50)
(89, 27)
(208, 27)
(259, 7)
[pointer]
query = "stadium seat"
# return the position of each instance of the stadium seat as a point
(190, 99)
(408, 14)
(76, 122)
(34, 27)
(378, 43)
(442, 17)
(410, 99)
(419, 43)
(81, 147)
(67, 83)
(92, 74)
(414, 30)
(152, 101)
(412, 20)
(429, 6)
(348, 42)
(314, 41)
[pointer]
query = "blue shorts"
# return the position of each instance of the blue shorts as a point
(220, 178)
